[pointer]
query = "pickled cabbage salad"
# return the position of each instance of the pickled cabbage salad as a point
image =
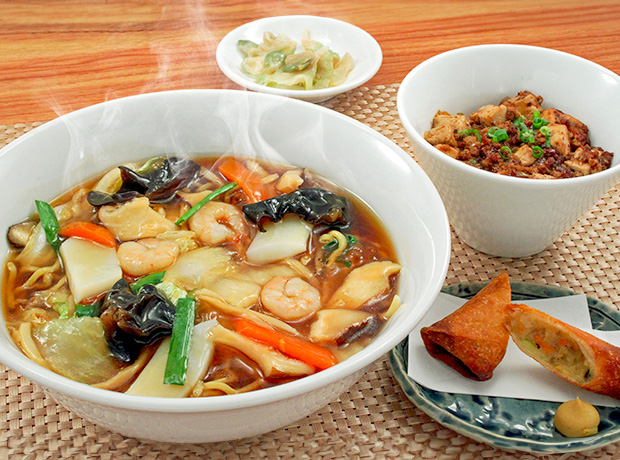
(279, 62)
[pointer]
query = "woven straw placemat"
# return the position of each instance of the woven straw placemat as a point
(373, 419)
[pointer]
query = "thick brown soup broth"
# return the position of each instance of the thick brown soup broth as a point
(318, 283)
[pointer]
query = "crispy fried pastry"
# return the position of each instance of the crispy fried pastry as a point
(473, 339)
(575, 355)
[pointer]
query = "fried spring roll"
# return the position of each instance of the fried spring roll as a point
(473, 339)
(575, 355)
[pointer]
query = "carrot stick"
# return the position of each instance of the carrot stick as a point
(307, 352)
(249, 182)
(88, 231)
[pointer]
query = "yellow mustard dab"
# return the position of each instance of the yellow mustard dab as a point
(577, 419)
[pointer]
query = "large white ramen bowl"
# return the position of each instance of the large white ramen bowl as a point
(496, 214)
(62, 153)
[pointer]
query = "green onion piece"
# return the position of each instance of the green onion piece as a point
(92, 310)
(537, 151)
(520, 124)
(509, 152)
(537, 121)
(153, 278)
(545, 131)
(527, 136)
(178, 355)
(497, 134)
(467, 132)
(50, 224)
(205, 200)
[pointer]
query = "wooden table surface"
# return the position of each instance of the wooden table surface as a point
(59, 56)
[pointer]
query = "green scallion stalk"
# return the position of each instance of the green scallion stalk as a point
(180, 341)
(153, 278)
(537, 151)
(92, 310)
(50, 224)
(205, 200)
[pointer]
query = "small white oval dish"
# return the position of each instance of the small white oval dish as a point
(339, 36)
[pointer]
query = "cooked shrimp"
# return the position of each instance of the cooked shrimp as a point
(216, 223)
(289, 298)
(148, 255)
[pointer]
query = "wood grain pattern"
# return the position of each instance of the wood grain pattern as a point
(58, 56)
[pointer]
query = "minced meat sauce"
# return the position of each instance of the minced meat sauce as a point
(519, 138)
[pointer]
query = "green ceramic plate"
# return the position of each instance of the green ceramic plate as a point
(516, 424)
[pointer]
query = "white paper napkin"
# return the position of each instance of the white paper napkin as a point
(518, 375)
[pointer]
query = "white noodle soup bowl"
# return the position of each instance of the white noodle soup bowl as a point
(496, 214)
(76, 147)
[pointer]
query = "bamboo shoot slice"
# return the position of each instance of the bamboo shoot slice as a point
(150, 382)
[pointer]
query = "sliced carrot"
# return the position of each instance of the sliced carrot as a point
(249, 182)
(546, 348)
(88, 231)
(308, 352)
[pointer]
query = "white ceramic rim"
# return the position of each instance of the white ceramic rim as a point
(480, 173)
(49, 379)
(237, 76)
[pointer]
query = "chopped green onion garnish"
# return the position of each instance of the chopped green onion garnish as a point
(537, 151)
(537, 121)
(527, 136)
(205, 200)
(92, 310)
(547, 133)
(180, 341)
(497, 134)
(508, 152)
(467, 132)
(153, 278)
(351, 240)
(50, 224)
(520, 124)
